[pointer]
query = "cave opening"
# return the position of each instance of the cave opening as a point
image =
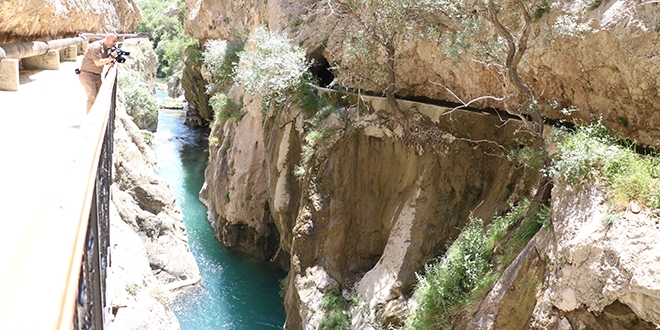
(322, 71)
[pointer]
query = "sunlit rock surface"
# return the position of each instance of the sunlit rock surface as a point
(22, 21)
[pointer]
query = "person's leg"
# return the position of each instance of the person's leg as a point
(92, 84)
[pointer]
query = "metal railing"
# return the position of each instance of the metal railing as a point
(57, 277)
(91, 301)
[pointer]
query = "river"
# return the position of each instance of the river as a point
(236, 292)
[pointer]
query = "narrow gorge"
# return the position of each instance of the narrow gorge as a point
(356, 205)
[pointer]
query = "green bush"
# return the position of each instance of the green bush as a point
(470, 267)
(224, 108)
(335, 319)
(446, 284)
(592, 154)
(271, 66)
(220, 57)
(140, 103)
(167, 34)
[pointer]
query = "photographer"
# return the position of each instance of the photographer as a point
(97, 54)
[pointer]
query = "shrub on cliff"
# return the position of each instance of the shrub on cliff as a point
(220, 57)
(140, 103)
(592, 154)
(469, 267)
(271, 66)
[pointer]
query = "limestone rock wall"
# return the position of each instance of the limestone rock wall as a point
(22, 21)
(143, 59)
(584, 273)
(611, 69)
(146, 203)
(137, 299)
(194, 87)
(236, 185)
(595, 265)
(373, 208)
(378, 203)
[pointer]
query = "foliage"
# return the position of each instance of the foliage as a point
(375, 31)
(167, 33)
(314, 133)
(593, 4)
(132, 288)
(592, 154)
(446, 284)
(469, 266)
(609, 219)
(220, 57)
(225, 108)
(139, 100)
(542, 8)
(271, 66)
(530, 157)
(334, 319)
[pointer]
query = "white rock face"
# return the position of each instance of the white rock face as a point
(137, 299)
(146, 203)
(21, 20)
(311, 286)
(597, 264)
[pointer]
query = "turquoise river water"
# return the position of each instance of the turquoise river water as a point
(236, 292)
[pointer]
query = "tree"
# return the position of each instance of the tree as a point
(166, 32)
(376, 30)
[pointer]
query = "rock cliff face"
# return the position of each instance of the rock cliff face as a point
(584, 274)
(194, 87)
(374, 206)
(22, 21)
(143, 59)
(612, 68)
(374, 203)
(146, 203)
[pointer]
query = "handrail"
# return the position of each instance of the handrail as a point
(52, 270)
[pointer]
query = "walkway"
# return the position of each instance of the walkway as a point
(49, 148)
(38, 123)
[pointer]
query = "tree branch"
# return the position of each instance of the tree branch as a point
(463, 103)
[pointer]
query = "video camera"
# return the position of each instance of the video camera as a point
(120, 54)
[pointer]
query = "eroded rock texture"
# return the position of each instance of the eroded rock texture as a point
(146, 203)
(372, 208)
(22, 21)
(587, 273)
(610, 65)
(376, 202)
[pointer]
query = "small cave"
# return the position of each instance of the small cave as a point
(321, 70)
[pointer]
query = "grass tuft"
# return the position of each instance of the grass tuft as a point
(335, 319)
(592, 154)
(471, 265)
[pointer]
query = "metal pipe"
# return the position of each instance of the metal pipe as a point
(35, 48)
(101, 35)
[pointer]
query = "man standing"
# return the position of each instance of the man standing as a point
(92, 66)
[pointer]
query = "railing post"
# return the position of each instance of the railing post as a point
(91, 306)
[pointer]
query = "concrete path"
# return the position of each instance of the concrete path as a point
(37, 124)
